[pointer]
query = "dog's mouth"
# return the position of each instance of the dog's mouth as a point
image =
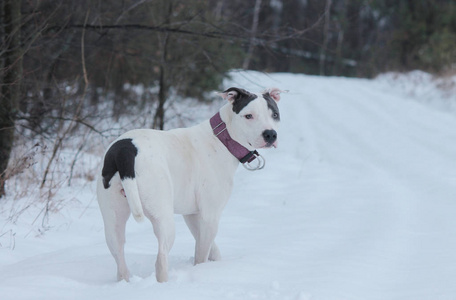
(269, 145)
(273, 145)
(265, 145)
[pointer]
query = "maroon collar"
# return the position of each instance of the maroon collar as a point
(244, 155)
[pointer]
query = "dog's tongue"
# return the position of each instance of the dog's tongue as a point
(273, 145)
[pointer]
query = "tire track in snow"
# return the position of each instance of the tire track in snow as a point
(379, 137)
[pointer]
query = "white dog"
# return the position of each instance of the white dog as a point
(187, 171)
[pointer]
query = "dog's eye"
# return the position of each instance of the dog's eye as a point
(248, 116)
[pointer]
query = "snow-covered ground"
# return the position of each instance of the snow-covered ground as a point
(358, 202)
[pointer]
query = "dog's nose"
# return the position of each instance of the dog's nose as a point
(270, 136)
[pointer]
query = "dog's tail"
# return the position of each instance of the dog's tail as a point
(131, 192)
(120, 157)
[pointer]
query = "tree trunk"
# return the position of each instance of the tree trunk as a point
(253, 32)
(340, 38)
(325, 37)
(11, 82)
(159, 118)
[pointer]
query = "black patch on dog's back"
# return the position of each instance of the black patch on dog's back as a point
(119, 158)
(272, 105)
(242, 99)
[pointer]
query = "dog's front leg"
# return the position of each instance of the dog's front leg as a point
(214, 254)
(205, 239)
(194, 223)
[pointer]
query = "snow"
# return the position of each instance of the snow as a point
(357, 202)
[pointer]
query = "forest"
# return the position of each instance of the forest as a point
(62, 61)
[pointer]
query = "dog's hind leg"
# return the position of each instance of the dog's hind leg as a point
(115, 211)
(164, 229)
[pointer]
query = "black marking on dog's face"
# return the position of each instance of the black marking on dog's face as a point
(272, 105)
(119, 158)
(242, 99)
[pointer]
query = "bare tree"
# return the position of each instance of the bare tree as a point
(11, 82)
(322, 61)
(253, 33)
(159, 117)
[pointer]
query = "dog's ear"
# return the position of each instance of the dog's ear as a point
(275, 93)
(233, 93)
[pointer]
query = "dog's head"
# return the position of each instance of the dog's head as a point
(255, 118)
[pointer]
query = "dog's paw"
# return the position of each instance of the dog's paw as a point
(215, 255)
(124, 275)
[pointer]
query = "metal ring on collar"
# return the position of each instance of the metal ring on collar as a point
(261, 162)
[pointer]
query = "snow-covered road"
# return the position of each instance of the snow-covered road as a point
(358, 202)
